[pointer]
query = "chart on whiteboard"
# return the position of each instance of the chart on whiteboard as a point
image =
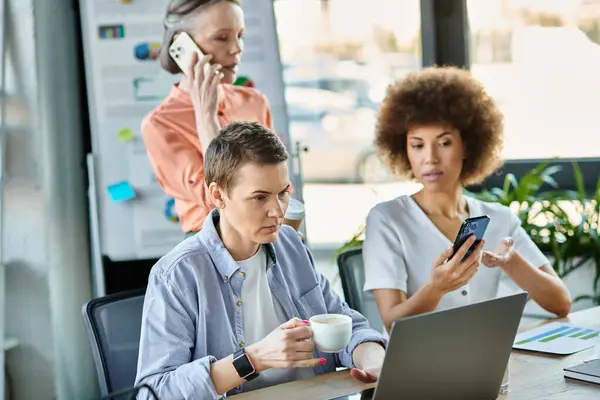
(124, 83)
(556, 338)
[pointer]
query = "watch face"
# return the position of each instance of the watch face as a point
(243, 366)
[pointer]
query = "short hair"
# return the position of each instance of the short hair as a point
(446, 95)
(179, 18)
(237, 144)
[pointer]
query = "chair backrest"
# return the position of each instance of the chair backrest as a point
(113, 325)
(352, 275)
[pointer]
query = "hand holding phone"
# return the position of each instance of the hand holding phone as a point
(448, 274)
(459, 263)
(203, 83)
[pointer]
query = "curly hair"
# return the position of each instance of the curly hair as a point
(441, 95)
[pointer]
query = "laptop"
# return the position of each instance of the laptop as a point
(457, 353)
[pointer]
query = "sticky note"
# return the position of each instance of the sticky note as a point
(121, 191)
(125, 135)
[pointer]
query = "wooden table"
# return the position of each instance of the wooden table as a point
(541, 376)
(532, 375)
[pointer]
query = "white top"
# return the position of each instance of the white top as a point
(401, 244)
(262, 314)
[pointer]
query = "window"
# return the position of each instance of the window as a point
(540, 60)
(338, 58)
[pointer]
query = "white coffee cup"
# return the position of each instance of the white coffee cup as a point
(294, 214)
(331, 332)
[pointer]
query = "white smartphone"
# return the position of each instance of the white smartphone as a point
(181, 51)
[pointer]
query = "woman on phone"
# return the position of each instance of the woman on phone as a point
(439, 127)
(180, 129)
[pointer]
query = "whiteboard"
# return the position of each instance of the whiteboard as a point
(124, 83)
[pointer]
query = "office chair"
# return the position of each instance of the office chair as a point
(113, 325)
(352, 275)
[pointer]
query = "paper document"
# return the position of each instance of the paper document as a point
(556, 338)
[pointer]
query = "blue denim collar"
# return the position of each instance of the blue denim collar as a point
(221, 257)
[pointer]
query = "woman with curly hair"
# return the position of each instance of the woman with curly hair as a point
(439, 127)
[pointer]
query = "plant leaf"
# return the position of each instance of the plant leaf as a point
(547, 175)
(583, 297)
(551, 170)
(579, 184)
(510, 180)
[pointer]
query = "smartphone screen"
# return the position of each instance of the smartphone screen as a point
(471, 226)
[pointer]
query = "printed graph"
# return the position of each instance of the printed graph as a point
(557, 338)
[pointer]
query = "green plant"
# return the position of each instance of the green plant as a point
(354, 242)
(565, 223)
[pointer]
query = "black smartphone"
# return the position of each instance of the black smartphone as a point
(471, 226)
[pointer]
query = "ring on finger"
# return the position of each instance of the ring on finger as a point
(217, 72)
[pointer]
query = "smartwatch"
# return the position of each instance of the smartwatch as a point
(243, 365)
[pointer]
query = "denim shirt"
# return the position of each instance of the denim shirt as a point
(191, 316)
